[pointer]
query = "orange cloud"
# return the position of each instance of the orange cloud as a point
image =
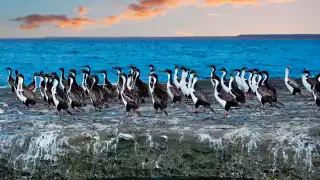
(81, 10)
(184, 33)
(236, 2)
(60, 21)
(281, 1)
(147, 9)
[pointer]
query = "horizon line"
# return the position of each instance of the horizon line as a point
(159, 37)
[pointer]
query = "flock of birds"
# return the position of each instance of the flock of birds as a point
(64, 92)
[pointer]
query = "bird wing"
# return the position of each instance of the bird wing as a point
(175, 91)
(316, 90)
(226, 96)
(29, 94)
(131, 99)
(65, 83)
(89, 81)
(200, 95)
(263, 91)
(61, 96)
(293, 83)
(32, 85)
(161, 92)
(312, 81)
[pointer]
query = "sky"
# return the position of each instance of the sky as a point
(116, 18)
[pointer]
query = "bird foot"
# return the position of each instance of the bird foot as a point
(226, 114)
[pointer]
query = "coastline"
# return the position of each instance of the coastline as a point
(274, 143)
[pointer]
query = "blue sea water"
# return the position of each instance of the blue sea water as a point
(34, 55)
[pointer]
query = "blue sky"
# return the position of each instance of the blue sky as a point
(39, 18)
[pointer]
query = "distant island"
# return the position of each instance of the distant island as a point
(239, 37)
(242, 36)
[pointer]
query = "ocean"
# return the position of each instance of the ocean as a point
(275, 143)
(33, 55)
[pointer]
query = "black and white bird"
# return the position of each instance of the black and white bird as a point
(250, 79)
(95, 93)
(75, 93)
(222, 80)
(176, 79)
(198, 97)
(212, 74)
(130, 102)
(27, 96)
(183, 82)
(134, 92)
(316, 91)
(269, 86)
(42, 86)
(85, 74)
(235, 91)
(11, 81)
(172, 89)
(33, 85)
(16, 72)
(264, 95)
(108, 88)
(245, 83)
(159, 97)
(225, 99)
(307, 81)
(142, 87)
(60, 98)
(63, 81)
(152, 69)
(292, 85)
(48, 83)
(119, 82)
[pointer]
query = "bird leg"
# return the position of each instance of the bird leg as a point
(139, 114)
(226, 114)
(165, 112)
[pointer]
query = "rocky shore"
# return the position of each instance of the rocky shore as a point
(275, 143)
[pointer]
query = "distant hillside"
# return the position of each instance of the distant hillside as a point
(278, 36)
(243, 36)
(239, 37)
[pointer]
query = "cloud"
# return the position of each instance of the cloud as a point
(235, 2)
(147, 9)
(81, 10)
(280, 1)
(60, 21)
(142, 10)
(214, 14)
(184, 33)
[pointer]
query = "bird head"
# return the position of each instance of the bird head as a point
(318, 77)
(306, 72)
(223, 70)
(9, 69)
(265, 73)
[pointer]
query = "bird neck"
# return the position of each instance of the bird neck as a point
(265, 79)
(71, 84)
(243, 73)
(62, 74)
(128, 83)
(170, 79)
(190, 80)
(230, 83)
(10, 74)
(287, 73)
